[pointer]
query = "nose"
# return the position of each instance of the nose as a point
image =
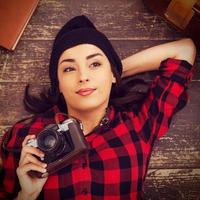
(83, 76)
(83, 80)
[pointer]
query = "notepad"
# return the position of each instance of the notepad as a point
(14, 17)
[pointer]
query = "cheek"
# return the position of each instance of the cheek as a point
(105, 83)
(65, 86)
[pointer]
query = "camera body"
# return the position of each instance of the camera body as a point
(61, 144)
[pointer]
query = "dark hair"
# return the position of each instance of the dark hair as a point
(123, 96)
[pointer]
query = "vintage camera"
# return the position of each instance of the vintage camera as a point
(61, 144)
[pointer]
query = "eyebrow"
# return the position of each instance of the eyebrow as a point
(88, 57)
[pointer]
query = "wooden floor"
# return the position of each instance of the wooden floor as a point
(174, 171)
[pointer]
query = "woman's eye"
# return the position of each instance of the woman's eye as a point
(68, 69)
(95, 64)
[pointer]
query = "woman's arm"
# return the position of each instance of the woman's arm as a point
(149, 59)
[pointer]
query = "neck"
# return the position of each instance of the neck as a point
(89, 118)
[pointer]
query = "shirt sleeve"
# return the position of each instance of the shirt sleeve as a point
(166, 96)
(10, 151)
(10, 154)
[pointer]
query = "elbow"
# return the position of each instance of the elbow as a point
(187, 50)
(191, 49)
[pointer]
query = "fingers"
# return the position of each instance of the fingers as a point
(23, 169)
(28, 137)
(28, 160)
(29, 149)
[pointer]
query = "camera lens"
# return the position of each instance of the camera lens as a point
(48, 141)
(54, 144)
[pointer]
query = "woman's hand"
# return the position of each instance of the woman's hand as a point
(30, 186)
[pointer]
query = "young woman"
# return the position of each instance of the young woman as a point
(120, 129)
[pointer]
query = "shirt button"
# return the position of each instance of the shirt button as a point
(84, 191)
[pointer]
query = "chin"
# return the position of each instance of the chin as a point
(89, 105)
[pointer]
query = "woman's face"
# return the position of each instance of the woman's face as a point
(85, 77)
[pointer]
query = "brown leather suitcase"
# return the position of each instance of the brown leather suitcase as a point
(14, 16)
(183, 15)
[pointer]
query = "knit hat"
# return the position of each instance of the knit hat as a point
(80, 30)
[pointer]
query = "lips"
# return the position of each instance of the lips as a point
(85, 91)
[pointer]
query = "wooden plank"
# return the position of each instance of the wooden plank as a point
(12, 101)
(174, 166)
(118, 19)
(29, 63)
(179, 148)
(173, 184)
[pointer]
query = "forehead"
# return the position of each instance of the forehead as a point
(82, 50)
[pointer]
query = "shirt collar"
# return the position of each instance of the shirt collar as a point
(105, 121)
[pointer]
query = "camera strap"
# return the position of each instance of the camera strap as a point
(60, 117)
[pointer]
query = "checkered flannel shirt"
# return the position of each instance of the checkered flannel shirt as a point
(116, 163)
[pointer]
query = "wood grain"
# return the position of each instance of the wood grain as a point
(173, 184)
(133, 19)
(174, 168)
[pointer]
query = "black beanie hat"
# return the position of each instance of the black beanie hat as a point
(80, 30)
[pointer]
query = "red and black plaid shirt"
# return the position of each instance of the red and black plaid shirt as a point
(119, 152)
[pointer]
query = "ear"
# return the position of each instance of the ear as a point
(113, 79)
